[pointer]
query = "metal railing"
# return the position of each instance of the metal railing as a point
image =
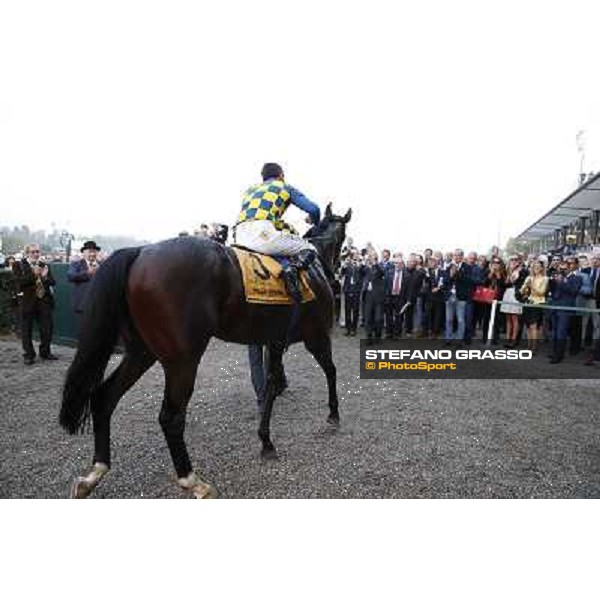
(543, 306)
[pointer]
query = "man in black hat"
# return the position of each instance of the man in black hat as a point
(80, 275)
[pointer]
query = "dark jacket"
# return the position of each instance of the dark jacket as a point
(478, 275)
(564, 290)
(389, 282)
(374, 282)
(595, 277)
(352, 281)
(25, 286)
(462, 281)
(434, 280)
(415, 277)
(496, 283)
(79, 275)
(518, 284)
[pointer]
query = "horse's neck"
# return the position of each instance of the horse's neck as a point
(326, 253)
(327, 270)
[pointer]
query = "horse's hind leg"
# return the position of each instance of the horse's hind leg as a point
(179, 385)
(133, 365)
(274, 370)
(321, 350)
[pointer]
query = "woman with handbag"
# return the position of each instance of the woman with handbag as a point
(479, 307)
(496, 281)
(514, 281)
(534, 291)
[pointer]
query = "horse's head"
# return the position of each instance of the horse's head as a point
(329, 236)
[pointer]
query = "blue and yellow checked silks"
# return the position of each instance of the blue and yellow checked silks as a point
(267, 201)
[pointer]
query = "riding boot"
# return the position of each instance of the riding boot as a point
(292, 282)
(303, 259)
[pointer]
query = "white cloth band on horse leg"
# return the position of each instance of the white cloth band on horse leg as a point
(189, 482)
(99, 470)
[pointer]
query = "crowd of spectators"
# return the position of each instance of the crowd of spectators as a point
(451, 296)
(31, 287)
(432, 295)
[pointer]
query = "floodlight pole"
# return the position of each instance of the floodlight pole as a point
(580, 140)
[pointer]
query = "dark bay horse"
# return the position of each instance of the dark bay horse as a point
(166, 301)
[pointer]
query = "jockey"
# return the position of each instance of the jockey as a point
(260, 226)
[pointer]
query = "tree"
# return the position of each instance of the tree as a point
(514, 246)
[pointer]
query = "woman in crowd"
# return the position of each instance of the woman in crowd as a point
(479, 307)
(534, 291)
(515, 278)
(496, 280)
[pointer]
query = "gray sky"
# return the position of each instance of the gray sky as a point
(437, 122)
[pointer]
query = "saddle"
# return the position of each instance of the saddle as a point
(263, 283)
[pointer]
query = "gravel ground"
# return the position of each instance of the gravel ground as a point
(399, 439)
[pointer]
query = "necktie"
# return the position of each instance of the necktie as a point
(40, 292)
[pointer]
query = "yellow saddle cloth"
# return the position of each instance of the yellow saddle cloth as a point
(263, 283)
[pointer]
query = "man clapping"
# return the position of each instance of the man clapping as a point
(34, 283)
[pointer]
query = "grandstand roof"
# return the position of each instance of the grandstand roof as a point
(578, 204)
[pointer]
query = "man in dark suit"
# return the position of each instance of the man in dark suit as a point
(458, 287)
(80, 275)
(435, 305)
(397, 293)
(477, 277)
(595, 277)
(352, 283)
(374, 286)
(387, 264)
(415, 275)
(258, 374)
(34, 282)
(564, 287)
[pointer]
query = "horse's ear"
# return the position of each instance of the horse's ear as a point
(348, 215)
(328, 213)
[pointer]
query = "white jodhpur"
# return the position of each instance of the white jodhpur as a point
(262, 236)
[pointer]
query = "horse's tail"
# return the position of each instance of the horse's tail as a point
(105, 312)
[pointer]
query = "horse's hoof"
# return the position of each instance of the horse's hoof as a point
(80, 489)
(333, 422)
(269, 454)
(205, 491)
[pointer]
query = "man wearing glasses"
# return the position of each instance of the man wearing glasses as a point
(564, 287)
(34, 289)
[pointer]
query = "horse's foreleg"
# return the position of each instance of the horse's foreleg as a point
(321, 350)
(179, 385)
(132, 367)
